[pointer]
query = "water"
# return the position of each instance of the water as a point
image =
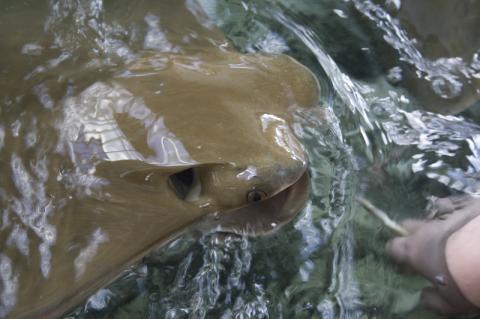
(375, 136)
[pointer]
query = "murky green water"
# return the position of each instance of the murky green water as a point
(376, 140)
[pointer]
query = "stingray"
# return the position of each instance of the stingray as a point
(196, 139)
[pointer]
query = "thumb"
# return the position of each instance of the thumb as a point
(432, 299)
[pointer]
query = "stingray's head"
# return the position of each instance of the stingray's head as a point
(233, 185)
(263, 189)
(214, 136)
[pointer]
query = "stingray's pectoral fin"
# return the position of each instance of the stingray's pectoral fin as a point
(262, 217)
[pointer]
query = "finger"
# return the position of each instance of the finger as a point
(412, 225)
(433, 300)
(441, 206)
(460, 201)
(398, 249)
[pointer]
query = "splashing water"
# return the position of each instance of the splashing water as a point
(445, 74)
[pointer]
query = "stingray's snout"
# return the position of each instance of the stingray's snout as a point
(266, 181)
(264, 214)
(278, 177)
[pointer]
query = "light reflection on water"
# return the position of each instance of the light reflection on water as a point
(447, 75)
(329, 263)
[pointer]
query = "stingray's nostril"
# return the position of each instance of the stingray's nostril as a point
(256, 195)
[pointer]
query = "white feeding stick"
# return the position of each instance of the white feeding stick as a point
(383, 217)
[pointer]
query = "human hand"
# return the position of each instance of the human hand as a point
(424, 250)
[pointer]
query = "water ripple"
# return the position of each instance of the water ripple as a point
(446, 75)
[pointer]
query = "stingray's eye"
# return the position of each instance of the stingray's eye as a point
(256, 195)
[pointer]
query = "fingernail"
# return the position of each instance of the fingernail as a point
(440, 280)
